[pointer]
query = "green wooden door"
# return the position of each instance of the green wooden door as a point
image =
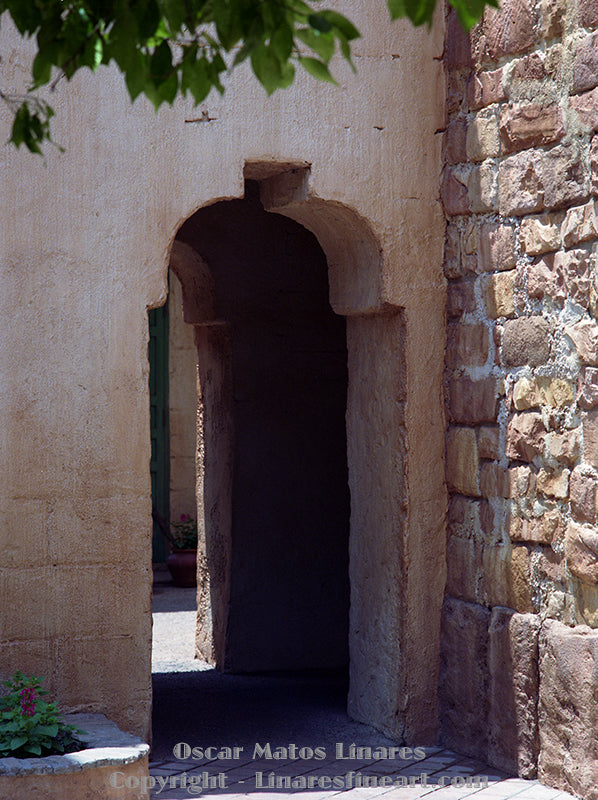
(160, 461)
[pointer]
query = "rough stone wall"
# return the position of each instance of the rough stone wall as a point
(519, 191)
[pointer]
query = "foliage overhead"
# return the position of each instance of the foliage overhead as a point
(166, 48)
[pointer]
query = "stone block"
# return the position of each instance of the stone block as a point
(586, 107)
(526, 394)
(485, 88)
(456, 134)
(496, 561)
(532, 392)
(553, 16)
(525, 434)
(549, 565)
(454, 192)
(458, 51)
(452, 252)
(541, 234)
(464, 518)
(530, 125)
(581, 552)
(544, 280)
(522, 484)
(460, 298)
(513, 740)
(467, 345)
(562, 448)
(470, 240)
(520, 595)
(482, 187)
(564, 177)
(585, 64)
(489, 442)
(521, 184)
(523, 71)
(586, 601)
(581, 223)
(582, 491)
(588, 13)
(494, 480)
(526, 341)
(568, 709)
(462, 462)
(553, 483)
(546, 529)
(594, 165)
(589, 421)
(499, 294)
(507, 577)
(587, 388)
(491, 517)
(584, 335)
(471, 401)
(463, 677)
(575, 269)
(483, 139)
(497, 247)
(464, 569)
(511, 30)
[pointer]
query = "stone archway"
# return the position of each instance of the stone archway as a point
(375, 444)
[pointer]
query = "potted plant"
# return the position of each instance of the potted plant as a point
(31, 726)
(42, 755)
(182, 561)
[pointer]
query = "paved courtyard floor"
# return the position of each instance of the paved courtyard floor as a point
(227, 737)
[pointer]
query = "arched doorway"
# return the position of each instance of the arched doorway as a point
(375, 444)
(273, 497)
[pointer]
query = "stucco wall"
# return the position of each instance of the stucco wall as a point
(84, 253)
(182, 406)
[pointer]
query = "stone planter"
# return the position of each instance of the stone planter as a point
(113, 767)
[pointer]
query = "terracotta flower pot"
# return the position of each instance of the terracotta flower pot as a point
(182, 565)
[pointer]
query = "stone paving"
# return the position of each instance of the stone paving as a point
(196, 707)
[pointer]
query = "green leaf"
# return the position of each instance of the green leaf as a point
(266, 68)
(195, 79)
(174, 11)
(320, 22)
(470, 11)
(47, 730)
(160, 64)
(17, 742)
(342, 24)
(418, 11)
(396, 8)
(322, 44)
(282, 42)
(317, 69)
(147, 15)
(41, 70)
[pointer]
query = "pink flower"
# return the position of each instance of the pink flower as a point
(27, 701)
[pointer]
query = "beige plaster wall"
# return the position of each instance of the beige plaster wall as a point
(182, 406)
(84, 253)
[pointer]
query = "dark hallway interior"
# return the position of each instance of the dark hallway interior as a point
(289, 585)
